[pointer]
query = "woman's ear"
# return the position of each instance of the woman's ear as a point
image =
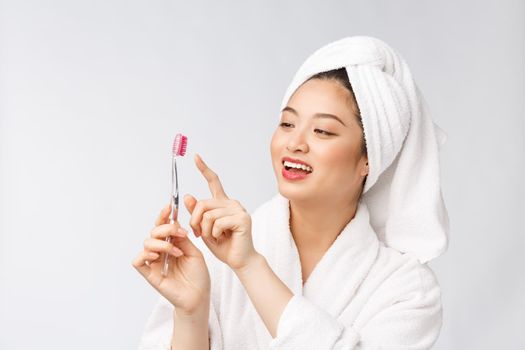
(365, 170)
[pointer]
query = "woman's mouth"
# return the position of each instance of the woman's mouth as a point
(293, 171)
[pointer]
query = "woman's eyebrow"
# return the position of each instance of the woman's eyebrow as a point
(316, 115)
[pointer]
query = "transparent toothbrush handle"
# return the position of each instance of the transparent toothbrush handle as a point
(174, 210)
(168, 239)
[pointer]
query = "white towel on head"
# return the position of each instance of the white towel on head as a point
(402, 190)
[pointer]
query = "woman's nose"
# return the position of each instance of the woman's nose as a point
(297, 142)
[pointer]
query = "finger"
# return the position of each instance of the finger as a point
(211, 216)
(190, 202)
(164, 214)
(141, 262)
(222, 225)
(214, 183)
(165, 230)
(201, 207)
(210, 242)
(159, 246)
(186, 245)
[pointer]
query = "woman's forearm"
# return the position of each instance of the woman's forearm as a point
(190, 332)
(268, 293)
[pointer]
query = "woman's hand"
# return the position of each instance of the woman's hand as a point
(187, 285)
(223, 223)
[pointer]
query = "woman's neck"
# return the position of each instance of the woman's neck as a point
(315, 226)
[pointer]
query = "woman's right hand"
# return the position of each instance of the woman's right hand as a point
(187, 285)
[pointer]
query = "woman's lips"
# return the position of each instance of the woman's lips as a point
(294, 175)
(297, 161)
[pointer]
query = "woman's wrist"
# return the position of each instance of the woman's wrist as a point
(198, 313)
(253, 263)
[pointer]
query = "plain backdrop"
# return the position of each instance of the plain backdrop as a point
(93, 92)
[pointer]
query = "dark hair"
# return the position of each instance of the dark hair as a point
(341, 77)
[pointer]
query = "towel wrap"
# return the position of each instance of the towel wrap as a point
(402, 189)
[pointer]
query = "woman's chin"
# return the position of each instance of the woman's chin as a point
(294, 192)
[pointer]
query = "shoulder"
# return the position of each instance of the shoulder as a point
(402, 277)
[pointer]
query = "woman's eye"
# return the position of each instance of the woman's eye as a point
(320, 131)
(324, 132)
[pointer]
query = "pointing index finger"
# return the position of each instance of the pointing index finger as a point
(214, 183)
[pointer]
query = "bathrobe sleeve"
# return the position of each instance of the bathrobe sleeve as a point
(159, 328)
(413, 321)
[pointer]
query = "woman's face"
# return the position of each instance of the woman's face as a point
(330, 147)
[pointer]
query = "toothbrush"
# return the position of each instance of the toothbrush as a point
(178, 150)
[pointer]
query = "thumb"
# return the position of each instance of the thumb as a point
(190, 202)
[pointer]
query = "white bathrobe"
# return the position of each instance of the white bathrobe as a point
(360, 295)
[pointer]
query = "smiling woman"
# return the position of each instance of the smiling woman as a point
(322, 122)
(337, 258)
(321, 128)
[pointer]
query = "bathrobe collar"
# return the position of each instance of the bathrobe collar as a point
(334, 280)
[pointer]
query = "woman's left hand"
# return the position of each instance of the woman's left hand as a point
(223, 223)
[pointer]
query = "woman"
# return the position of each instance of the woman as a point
(336, 259)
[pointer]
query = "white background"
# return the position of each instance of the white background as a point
(92, 93)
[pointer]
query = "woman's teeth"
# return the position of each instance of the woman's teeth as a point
(288, 165)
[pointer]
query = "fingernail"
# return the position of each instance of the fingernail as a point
(176, 252)
(183, 231)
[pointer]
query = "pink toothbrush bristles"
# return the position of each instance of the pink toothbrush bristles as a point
(179, 145)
